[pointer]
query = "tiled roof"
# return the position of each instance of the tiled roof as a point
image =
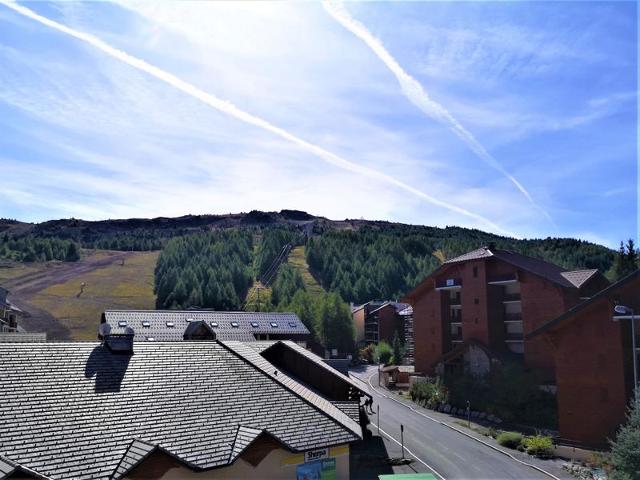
(6, 467)
(251, 355)
(136, 453)
(15, 337)
(482, 252)
(244, 437)
(352, 409)
(578, 277)
(72, 410)
(170, 325)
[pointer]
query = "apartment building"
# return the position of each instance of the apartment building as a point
(378, 321)
(476, 309)
(593, 358)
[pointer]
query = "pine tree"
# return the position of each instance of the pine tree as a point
(625, 451)
(398, 350)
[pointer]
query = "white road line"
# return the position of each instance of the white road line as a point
(456, 429)
(409, 452)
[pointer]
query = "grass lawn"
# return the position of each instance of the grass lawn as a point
(18, 269)
(111, 287)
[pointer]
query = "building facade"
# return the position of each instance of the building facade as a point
(491, 299)
(593, 357)
(378, 321)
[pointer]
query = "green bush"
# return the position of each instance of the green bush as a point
(625, 451)
(428, 394)
(539, 446)
(383, 353)
(509, 439)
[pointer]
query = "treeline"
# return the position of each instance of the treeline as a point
(386, 262)
(30, 248)
(270, 246)
(206, 270)
(327, 316)
(137, 240)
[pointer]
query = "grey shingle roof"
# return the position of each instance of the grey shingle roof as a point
(136, 453)
(170, 325)
(72, 410)
(6, 467)
(15, 337)
(244, 437)
(253, 356)
(579, 277)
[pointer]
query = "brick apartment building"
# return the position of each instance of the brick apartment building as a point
(477, 309)
(377, 321)
(594, 362)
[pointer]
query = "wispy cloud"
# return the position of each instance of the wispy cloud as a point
(232, 110)
(419, 97)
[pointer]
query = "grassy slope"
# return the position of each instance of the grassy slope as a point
(114, 286)
(298, 260)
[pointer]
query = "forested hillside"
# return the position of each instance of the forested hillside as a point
(270, 246)
(385, 263)
(207, 270)
(29, 248)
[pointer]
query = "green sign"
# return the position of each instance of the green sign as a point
(317, 470)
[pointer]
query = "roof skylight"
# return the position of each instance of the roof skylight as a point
(170, 324)
(146, 324)
(274, 325)
(235, 324)
(122, 323)
(254, 324)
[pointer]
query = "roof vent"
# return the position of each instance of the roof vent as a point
(118, 342)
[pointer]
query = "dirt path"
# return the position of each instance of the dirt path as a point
(24, 287)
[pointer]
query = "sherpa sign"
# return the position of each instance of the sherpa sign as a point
(313, 455)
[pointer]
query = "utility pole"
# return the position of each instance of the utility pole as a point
(258, 288)
(401, 437)
(378, 419)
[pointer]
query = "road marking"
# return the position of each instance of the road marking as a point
(454, 428)
(409, 451)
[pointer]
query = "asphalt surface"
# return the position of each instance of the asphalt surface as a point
(446, 452)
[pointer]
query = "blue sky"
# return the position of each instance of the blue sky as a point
(512, 117)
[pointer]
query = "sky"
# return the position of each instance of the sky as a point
(519, 118)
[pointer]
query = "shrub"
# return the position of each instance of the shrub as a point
(539, 446)
(383, 353)
(428, 394)
(625, 450)
(367, 353)
(509, 439)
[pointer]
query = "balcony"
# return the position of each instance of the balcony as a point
(510, 297)
(449, 284)
(503, 279)
(513, 317)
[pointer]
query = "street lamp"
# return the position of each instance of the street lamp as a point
(622, 310)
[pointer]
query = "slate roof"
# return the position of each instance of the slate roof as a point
(155, 324)
(133, 456)
(19, 337)
(578, 277)
(76, 410)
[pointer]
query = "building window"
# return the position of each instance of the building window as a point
(476, 301)
(475, 272)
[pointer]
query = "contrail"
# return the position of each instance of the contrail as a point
(418, 96)
(230, 109)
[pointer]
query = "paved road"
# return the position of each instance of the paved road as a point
(451, 454)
